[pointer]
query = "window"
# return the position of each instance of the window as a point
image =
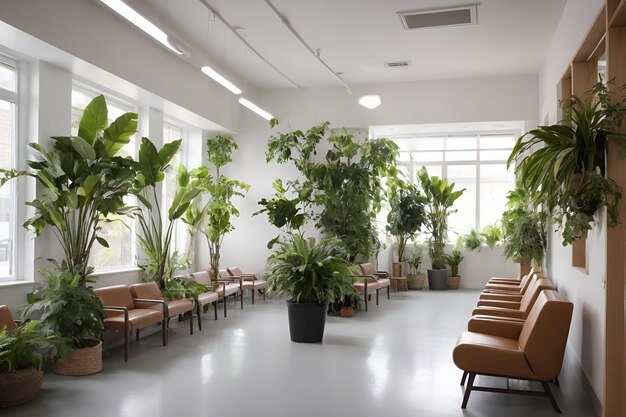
(119, 231)
(476, 162)
(8, 137)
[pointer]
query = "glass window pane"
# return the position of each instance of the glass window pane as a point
(404, 156)
(495, 183)
(427, 156)
(464, 219)
(434, 170)
(461, 172)
(404, 171)
(7, 77)
(461, 156)
(497, 141)
(495, 155)
(6, 202)
(461, 142)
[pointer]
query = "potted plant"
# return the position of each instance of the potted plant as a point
(453, 260)
(83, 180)
(491, 235)
(351, 299)
(310, 277)
(563, 166)
(472, 240)
(523, 229)
(22, 354)
(405, 219)
(214, 219)
(415, 280)
(440, 197)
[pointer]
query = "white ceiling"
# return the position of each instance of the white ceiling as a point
(356, 37)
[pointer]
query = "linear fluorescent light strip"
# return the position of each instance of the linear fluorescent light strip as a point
(250, 105)
(220, 79)
(142, 23)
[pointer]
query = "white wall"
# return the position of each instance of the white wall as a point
(471, 100)
(585, 288)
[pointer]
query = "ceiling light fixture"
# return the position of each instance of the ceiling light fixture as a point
(144, 24)
(371, 101)
(221, 79)
(250, 105)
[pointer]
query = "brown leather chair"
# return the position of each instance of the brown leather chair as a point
(514, 309)
(372, 281)
(249, 281)
(150, 290)
(206, 298)
(532, 350)
(125, 314)
(510, 280)
(234, 285)
(509, 295)
(519, 288)
(225, 287)
(6, 319)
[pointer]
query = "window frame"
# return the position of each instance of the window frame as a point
(412, 166)
(15, 238)
(93, 90)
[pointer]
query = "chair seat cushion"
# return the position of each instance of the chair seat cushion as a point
(176, 307)
(230, 290)
(207, 297)
(491, 355)
(384, 282)
(371, 287)
(257, 285)
(137, 319)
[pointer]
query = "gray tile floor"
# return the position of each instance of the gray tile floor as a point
(394, 360)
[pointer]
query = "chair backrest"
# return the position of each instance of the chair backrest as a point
(234, 271)
(544, 334)
(224, 273)
(368, 269)
(527, 281)
(530, 297)
(146, 290)
(6, 319)
(203, 277)
(116, 296)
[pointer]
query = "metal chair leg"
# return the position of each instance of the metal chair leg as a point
(125, 346)
(468, 389)
(137, 335)
(546, 388)
(464, 377)
(215, 308)
(191, 321)
(164, 331)
(199, 317)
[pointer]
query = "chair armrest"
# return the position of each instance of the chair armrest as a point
(122, 309)
(498, 312)
(514, 305)
(233, 278)
(370, 277)
(382, 274)
(512, 291)
(154, 301)
(501, 297)
(495, 327)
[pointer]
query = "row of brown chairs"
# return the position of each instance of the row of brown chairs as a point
(134, 307)
(518, 330)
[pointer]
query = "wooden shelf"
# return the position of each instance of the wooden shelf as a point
(618, 17)
(594, 37)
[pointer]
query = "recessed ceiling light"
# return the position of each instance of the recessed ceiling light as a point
(371, 101)
(250, 105)
(221, 79)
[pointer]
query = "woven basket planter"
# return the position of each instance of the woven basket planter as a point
(85, 361)
(416, 282)
(19, 387)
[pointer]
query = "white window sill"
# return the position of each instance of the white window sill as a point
(114, 271)
(16, 283)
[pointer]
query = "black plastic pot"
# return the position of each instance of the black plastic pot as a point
(306, 321)
(438, 279)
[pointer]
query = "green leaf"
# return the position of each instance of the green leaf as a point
(83, 148)
(88, 185)
(94, 120)
(168, 151)
(149, 162)
(102, 241)
(119, 132)
(273, 122)
(182, 176)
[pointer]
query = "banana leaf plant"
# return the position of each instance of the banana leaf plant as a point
(406, 216)
(81, 180)
(440, 197)
(214, 219)
(564, 165)
(156, 231)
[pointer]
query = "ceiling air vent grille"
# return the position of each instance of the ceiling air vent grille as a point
(398, 64)
(426, 19)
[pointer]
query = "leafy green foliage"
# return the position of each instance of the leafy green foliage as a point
(27, 346)
(551, 160)
(453, 260)
(184, 288)
(406, 216)
(416, 260)
(67, 306)
(282, 212)
(472, 240)
(440, 196)
(308, 273)
(491, 235)
(523, 228)
(214, 219)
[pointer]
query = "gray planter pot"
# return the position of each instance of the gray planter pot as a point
(438, 279)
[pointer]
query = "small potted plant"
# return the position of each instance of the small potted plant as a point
(472, 241)
(492, 235)
(415, 280)
(351, 302)
(453, 260)
(22, 354)
(440, 196)
(311, 277)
